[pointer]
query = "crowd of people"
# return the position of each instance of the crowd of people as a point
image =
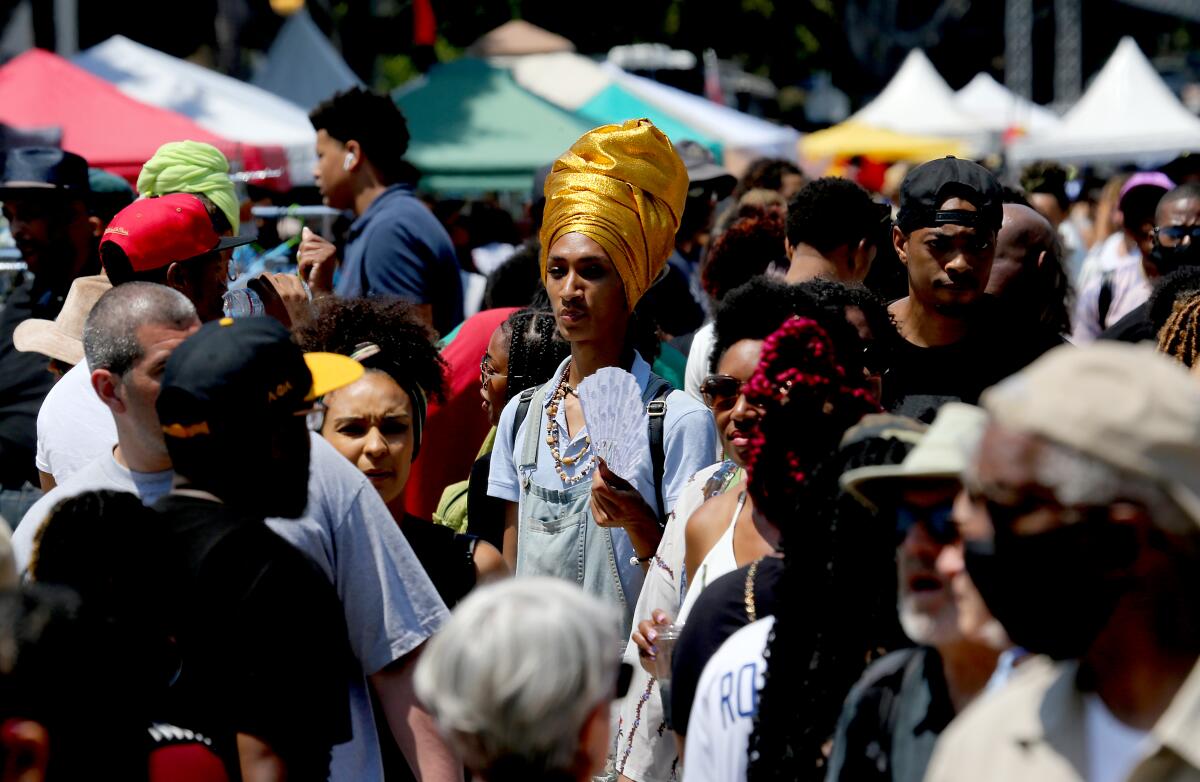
(707, 478)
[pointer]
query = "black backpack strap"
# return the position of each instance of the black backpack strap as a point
(1105, 300)
(522, 410)
(656, 412)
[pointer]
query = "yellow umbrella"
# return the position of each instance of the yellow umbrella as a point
(853, 138)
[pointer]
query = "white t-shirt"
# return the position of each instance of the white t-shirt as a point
(1113, 748)
(74, 427)
(389, 603)
(726, 701)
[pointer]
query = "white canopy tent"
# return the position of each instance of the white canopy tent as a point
(744, 137)
(221, 104)
(302, 65)
(595, 90)
(918, 101)
(999, 109)
(1127, 114)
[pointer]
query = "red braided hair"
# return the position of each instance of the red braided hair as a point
(809, 402)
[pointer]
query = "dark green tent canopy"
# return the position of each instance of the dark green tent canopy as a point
(474, 129)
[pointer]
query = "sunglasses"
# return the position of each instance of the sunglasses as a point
(1173, 235)
(938, 521)
(720, 392)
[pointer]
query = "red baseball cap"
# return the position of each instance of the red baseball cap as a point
(155, 232)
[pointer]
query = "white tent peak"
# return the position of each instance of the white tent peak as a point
(999, 108)
(517, 37)
(219, 103)
(1127, 114)
(918, 101)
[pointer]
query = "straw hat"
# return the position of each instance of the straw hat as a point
(62, 338)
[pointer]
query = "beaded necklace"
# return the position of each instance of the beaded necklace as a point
(560, 461)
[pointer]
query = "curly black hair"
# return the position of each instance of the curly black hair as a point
(408, 352)
(756, 309)
(832, 212)
(836, 297)
(374, 121)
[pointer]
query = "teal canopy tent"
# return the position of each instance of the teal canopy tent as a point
(474, 129)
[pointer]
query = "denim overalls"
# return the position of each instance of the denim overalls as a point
(557, 535)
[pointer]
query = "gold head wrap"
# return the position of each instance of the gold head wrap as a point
(623, 186)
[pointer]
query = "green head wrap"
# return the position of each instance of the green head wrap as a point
(191, 167)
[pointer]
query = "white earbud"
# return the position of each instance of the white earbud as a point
(348, 161)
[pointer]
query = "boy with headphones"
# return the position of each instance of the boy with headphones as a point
(395, 246)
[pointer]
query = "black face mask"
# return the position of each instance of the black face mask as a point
(1055, 591)
(1168, 259)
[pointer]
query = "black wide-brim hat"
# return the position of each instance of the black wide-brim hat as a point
(28, 169)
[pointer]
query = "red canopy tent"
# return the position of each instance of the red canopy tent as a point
(109, 129)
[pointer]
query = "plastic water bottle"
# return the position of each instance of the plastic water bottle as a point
(246, 303)
(242, 303)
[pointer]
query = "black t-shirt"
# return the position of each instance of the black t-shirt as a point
(998, 344)
(1135, 326)
(718, 613)
(24, 382)
(448, 557)
(485, 514)
(262, 638)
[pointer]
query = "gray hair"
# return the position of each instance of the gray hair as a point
(110, 331)
(513, 676)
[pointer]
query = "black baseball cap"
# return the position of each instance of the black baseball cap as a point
(240, 370)
(703, 169)
(44, 168)
(931, 184)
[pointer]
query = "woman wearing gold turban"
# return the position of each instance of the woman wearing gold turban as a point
(613, 202)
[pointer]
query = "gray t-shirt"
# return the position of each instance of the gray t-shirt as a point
(390, 605)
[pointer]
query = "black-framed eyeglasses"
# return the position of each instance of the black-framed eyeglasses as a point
(938, 520)
(1173, 235)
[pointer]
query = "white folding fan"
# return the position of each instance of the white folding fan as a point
(616, 419)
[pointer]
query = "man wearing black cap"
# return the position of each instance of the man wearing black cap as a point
(45, 195)
(956, 342)
(262, 640)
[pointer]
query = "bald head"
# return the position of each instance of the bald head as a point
(1180, 206)
(1024, 236)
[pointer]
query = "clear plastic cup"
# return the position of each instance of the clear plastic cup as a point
(664, 643)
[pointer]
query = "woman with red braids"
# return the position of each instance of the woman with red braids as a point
(810, 390)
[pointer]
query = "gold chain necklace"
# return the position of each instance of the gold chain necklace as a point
(560, 461)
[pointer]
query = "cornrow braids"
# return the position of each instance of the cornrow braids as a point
(534, 349)
(810, 399)
(1180, 337)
